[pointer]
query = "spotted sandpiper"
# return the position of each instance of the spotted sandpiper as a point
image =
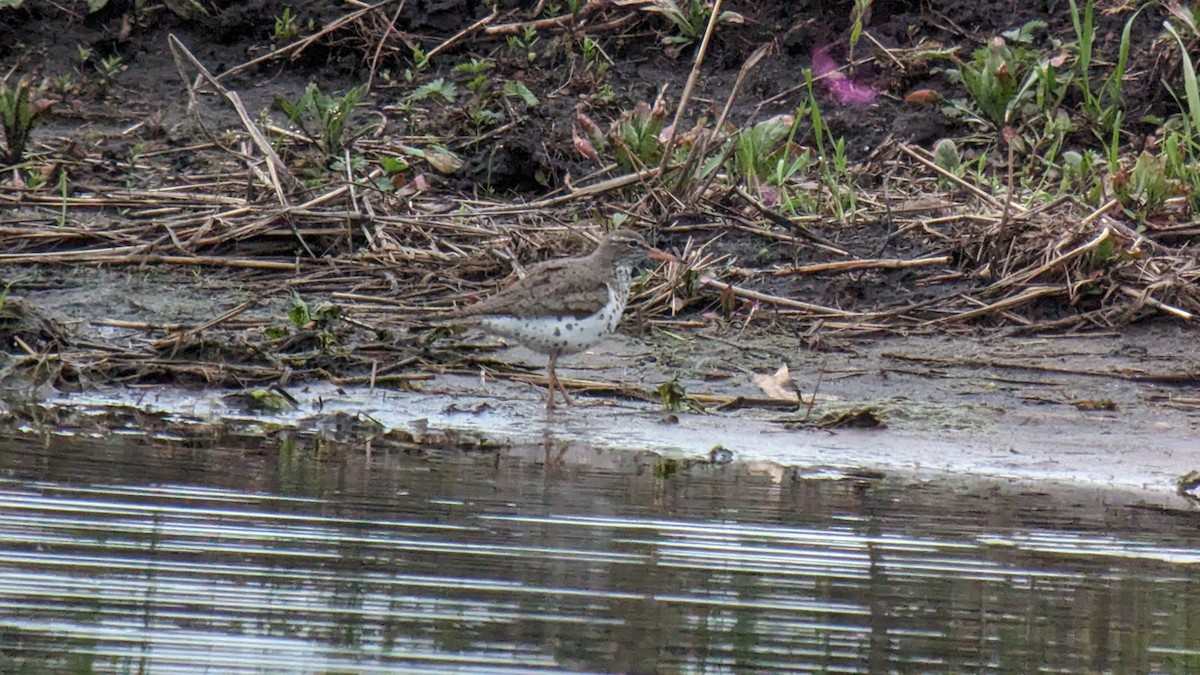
(566, 305)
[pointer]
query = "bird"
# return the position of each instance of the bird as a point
(566, 305)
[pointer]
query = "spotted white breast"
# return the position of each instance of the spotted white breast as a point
(567, 334)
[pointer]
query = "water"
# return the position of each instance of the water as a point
(125, 555)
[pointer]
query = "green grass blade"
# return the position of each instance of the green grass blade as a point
(1189, 78)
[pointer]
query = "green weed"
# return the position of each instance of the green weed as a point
(858, 16)
(593, 57)
(439, 88)
(635, 137)
(21, 110)
(518, 90)
(690, 21)
(63, 84)
(1143, 190)
(326, 119)
(833, 163)
(1181, 142)
(1102, 107)
(994, 77)
(765, 158)
(420, 61)
(523, 44)
(286, 27)
(109, 67)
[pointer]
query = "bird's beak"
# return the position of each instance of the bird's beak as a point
(656, 254)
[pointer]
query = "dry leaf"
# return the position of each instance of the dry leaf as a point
(583, 146)
(779, 385)
(442, 160)
(923, 96)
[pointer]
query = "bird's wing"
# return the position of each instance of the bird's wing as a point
(548, 288)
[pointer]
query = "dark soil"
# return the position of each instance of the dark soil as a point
(41, 40)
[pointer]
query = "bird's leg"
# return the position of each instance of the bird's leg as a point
(566, 397)
(551, 381)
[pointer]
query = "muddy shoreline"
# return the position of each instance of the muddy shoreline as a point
(1090, 411)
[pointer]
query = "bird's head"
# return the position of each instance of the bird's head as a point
(627, 248)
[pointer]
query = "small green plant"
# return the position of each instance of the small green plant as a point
(834, 164)
(439, 88)
(35, 181)
(762, 157)
(1179, 155)
(109, 67)
(1102, 106)
(758, 149)
(420, 61)
(392, 165)
(484, 117)
(606, 93)
(689, 20)
(286, 27)
(1190, 86)
(320, 320)
(1074, 172)
(635, 137)
(357, 164)
(947, 157)
(326, 119)
(480, 85)
(477, 70)
(63, 84)
(523, 44)
(323, 316)
(1143, 190)
(395, 169)
(859, 14)
(765, 158)
(593, 57)
(839, 182)
(991, 79)
(1181, 142)
(517, 89)
(780, 179)
(21, 110)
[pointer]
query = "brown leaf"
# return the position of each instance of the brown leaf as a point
(779, 385)
(443, 160)
(583, 146)
(589, 126)
(923, 96)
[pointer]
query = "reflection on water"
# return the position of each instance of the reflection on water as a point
(131, 557)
